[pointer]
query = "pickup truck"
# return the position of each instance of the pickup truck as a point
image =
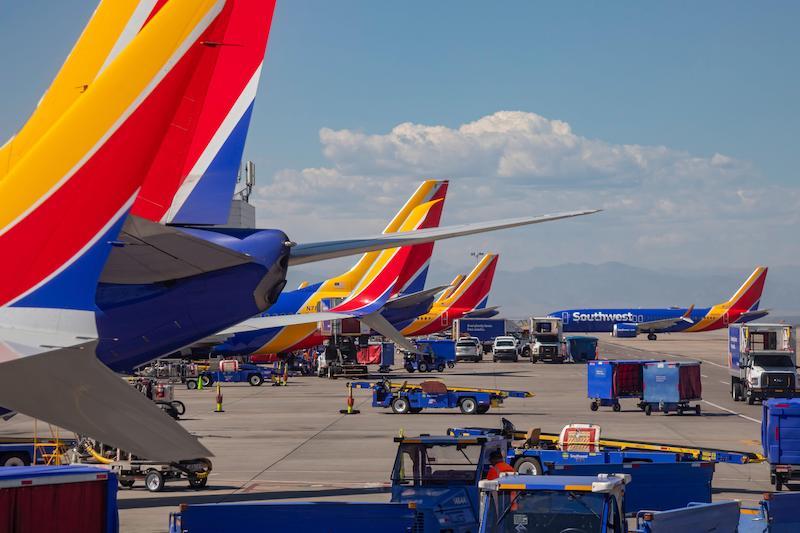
(505, 348)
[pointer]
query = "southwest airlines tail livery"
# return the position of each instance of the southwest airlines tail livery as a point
(741, 307)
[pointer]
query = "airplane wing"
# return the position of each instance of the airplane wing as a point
(321, 251)
(85, 396)
(656, 325)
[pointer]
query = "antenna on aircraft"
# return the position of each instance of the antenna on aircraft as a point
(248, 172)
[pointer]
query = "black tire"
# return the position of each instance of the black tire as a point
(697, 409)
(126, 483)
(198, 483)
(440, 367)
(593, 406)
(778, 486)
(494, 359)
(191, 384)
(468, 406)
(410, 368)
(154, 481)
(255, 380)
(529, 466)
(616, 408)
(422, 366)
(401, 406)
(207, 380)
(415, 410)
(451, 364)
(736, 392)
(169, 409)
(751, 400)
(15, 459)
(533, 359)
(179, 407)
(483, 409)
(651, 336)
(648, 409)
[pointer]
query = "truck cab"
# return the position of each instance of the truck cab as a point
(573, 504)
(547, 340)
(505, 347)
(439, 475)
(762, 360)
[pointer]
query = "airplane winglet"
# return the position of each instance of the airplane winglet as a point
(687, 316)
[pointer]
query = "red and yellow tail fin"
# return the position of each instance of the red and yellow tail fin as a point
(475, 287)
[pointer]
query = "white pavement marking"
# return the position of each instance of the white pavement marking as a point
(703, 376)
(723, 382)
(732, 412)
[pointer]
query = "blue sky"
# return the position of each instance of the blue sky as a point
(683, 113)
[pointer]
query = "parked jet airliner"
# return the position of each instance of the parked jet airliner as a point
(628, 322)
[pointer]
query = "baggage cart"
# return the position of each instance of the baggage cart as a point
(435, 354)
(670, 386)
(609, 381)
(780, 439)
(581, 349)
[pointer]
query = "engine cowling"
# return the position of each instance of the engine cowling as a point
(624, 330)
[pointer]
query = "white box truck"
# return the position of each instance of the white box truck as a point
(763, 361)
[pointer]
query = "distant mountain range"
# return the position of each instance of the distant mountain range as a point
(541, 290)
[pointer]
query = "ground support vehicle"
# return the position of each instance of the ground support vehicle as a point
(405, 398)
(469, 349)
(162, 392)
(434, 354)
(670, 386)
(485, 330)
(25, 451)
(776, 513)
(434, 488)
(609, 381)
(377, 353)
(255, 375)
(581, 349)
(547, 340)
(762, 359)
(780, 440)
(156, 474)
(58, 498)
(505, 348)
(588, 504)
(340, 358)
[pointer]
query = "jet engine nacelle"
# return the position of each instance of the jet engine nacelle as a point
(624, 330)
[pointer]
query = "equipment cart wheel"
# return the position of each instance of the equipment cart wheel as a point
(483, 409)
(751, 400)
(168, 408)
(126, 483)
(198, 482)
(616, 408)
(697, 409)
(451, 364)
(191, 384)
(468, 406)
(410, 368)
(207, 381)
(154, 481)
(648, 409)
(593, 406)
(179, 407)
(440, 367)
(528, 466)
(255, 380)
(422, 366)
(400, 406)
(14, 459)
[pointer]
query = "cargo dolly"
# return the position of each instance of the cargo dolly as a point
(407, 398)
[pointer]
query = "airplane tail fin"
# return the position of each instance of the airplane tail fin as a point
(428, 191)
(748, 296)
(474, 290)
(63, 204)
(457, 281)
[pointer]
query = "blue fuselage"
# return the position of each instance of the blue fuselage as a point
(603, 320)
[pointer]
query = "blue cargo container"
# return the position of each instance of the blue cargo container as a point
(58, 498)
(581, 349)
(780, 439)
(608, 381)
(437, 354)
(670, 386)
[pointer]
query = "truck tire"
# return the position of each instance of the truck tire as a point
(616, 407)
(14, 459)
(154, 481)
(468, 406)
(528, 466)
(483, 409)
(736, 391)
(648, 409)
(422, 366)
(255, 380)
(750, 399)
(191, 384)
(410, 368)
(440, 367)
(400, 406)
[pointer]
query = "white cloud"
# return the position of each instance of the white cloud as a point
(663, 206)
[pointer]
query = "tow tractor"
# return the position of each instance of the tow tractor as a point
(231, 371)
(407, 398)
(588, 504)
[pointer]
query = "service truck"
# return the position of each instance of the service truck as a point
(547, 339)
(763, 360)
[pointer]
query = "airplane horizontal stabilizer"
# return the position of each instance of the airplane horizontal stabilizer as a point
(321, 251)
(72, 389)
(415, 298)
(149, 252)
(484, 312)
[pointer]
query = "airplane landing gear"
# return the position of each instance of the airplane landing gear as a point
(651, 336)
